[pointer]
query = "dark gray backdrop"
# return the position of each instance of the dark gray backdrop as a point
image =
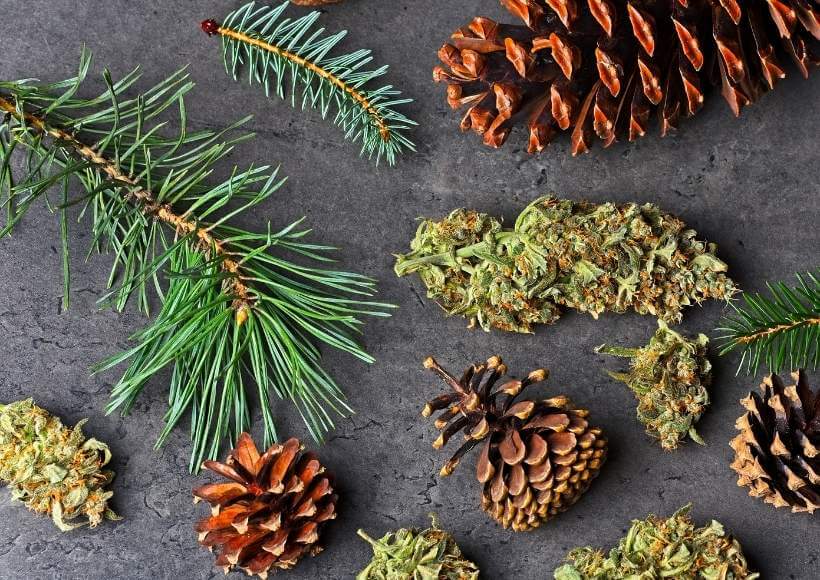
(750, 185)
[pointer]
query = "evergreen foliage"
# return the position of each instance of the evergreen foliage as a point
(291, 58)
(780, 331)
(237, 313)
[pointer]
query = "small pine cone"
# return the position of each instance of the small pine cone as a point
(777, 454)
(602, 67)
(271, 512)
(537, 457)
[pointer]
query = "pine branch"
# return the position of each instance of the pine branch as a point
(279, 51)
(780, 331)
(233, 306)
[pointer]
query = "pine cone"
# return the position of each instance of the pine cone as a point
(314, 2)
(537, 459)
(272, 511)
(603, 66)
(777, 454)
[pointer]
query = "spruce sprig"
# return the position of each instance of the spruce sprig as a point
(289, 56)
(234, 305)
(780, 331)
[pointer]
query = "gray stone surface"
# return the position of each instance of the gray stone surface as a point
(751, 185)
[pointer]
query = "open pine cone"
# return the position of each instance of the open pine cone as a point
(777, 454)
(603, 66)
(270, 513)
(537, 457)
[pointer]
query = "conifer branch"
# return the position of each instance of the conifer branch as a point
(287, 52)
(144, 199)
(780, 331)
(233, 305)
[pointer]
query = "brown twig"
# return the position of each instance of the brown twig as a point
(148, 204)
(779, 328)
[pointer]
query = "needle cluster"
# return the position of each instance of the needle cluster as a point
(291, 59)
(238, 313)
(780, 331)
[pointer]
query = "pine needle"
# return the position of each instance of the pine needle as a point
(290, 58)
(780, 331)
(234, 307)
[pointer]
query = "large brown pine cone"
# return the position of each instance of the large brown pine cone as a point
(537, 457)
(777, 454)
(603, 66)
(270, 513)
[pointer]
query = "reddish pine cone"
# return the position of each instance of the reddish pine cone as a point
(537, 457)
(601, 67)
(777, 454)
(271, 512)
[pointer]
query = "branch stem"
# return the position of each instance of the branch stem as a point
(356, 95)
(750, 338)
(147, 202)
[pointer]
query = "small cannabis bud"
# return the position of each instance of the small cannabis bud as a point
(669, 377)
(593, 258)
(663, 548)
(54, 469)
(412, 555)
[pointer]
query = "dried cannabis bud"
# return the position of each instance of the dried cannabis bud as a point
(54, 469)
(669, 377)
(412, 555)
(594, 258)
(663, 548)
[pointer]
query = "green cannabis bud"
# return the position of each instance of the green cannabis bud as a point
(669, 377)
(663, 548)
(560, 253)
(54, 469)
(412, 555)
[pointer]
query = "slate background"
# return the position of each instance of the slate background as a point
(751, 185)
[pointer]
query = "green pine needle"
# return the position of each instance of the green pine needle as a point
(780, 331)
(236, 313)
(288, 56)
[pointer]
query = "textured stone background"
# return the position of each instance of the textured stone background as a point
(751, 185)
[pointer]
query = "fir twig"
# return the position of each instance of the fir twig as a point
(780, 331)
(233, 305)
(282, 52)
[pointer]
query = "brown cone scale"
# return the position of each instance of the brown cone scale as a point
(536, 458)
(603, 68)
(777, 454)
(270, 511)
